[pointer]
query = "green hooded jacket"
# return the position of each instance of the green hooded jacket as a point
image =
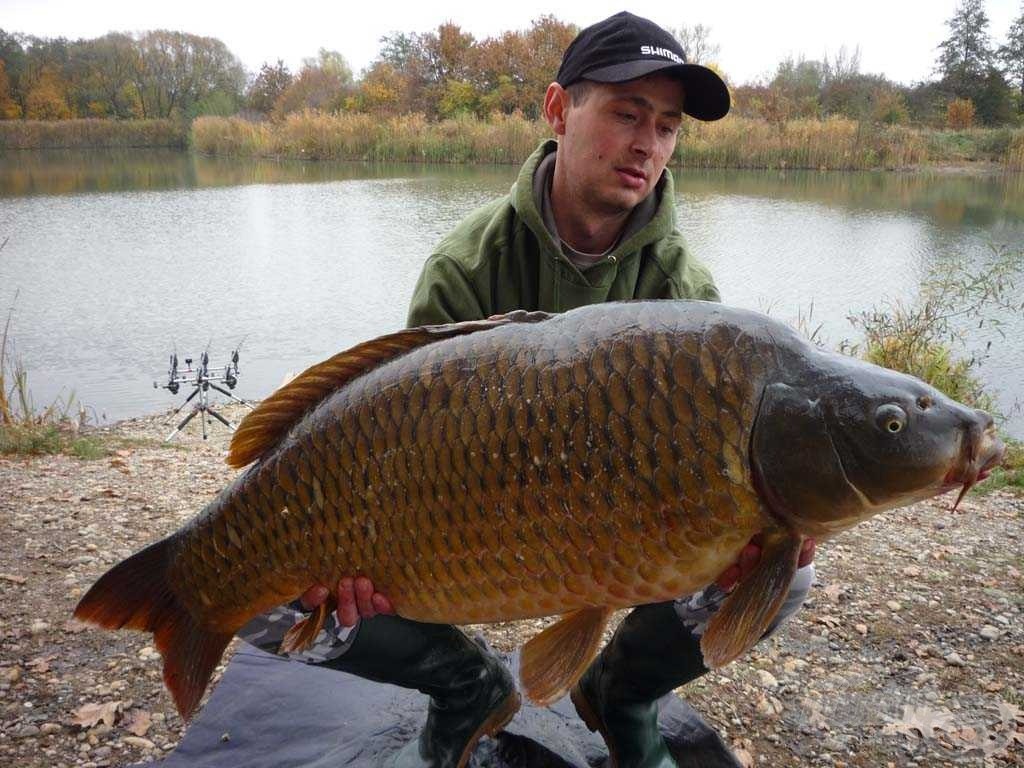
(501, 257)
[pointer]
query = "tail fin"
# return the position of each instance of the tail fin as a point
(134, 594)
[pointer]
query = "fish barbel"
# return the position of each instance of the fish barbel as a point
(535, 464)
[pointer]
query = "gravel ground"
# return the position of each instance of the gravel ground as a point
(910, 651)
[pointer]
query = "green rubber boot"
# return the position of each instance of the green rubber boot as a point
(472, 694)
(651, 653)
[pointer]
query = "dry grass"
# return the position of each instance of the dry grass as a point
(26, 429)
(832, 144)
(82, 134)
(354, 136)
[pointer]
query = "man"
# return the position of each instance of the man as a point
(591, 218)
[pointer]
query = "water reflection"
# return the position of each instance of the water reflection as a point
(63, 172)
(950, 199)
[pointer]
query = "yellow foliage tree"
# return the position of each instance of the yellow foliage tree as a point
(960, 114)
(47, 99)
(9, 108)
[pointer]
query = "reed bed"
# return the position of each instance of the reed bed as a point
(25, 429)
(1015, 152)
(354, 136)
(832, 144)
(91, 133)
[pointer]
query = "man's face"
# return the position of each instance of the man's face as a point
(617, 140)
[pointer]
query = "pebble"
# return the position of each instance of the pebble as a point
(989, 632)
(767, 679)
(893, 605)
(38, 627)
(862, 629)
(12, 675)
(27, 731)
(138, 741)
(954, 660)
(47, 728)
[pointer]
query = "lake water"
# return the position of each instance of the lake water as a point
(120, 258)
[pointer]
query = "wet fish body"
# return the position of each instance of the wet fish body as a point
(535, 465)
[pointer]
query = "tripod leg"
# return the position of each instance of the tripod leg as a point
(177, 410)
(181, 426)
(221, 419)
(236, 399)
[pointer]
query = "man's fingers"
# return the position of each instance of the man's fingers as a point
(348, 616)
(748, 559)
(381, 604)
(729, 578)
(364, 598)
(313, 596)
(807, 552)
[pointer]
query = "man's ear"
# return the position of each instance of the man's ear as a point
(556, 104)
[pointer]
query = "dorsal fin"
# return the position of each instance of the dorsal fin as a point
(262, 429)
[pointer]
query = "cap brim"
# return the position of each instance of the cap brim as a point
(706, 97)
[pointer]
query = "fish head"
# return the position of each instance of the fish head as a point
(841, 446)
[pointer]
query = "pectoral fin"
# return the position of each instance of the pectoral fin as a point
(301, 636)
(748, 611)
(555, 659)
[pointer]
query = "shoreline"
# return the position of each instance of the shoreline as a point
(918, 608)
(735, 143)
(973, 168)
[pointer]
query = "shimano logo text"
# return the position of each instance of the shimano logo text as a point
(653, 50)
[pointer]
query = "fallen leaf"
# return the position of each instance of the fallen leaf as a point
(137, 722)
(89, 715)
(921, 722)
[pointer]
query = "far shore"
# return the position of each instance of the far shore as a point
(736, 142)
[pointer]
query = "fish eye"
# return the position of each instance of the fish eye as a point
(891, 418)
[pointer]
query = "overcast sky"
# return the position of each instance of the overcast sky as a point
(896, 37)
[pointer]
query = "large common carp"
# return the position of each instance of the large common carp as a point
(540, 464)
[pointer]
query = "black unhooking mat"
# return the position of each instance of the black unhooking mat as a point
(268, 712)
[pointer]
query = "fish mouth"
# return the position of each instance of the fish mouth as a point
(983, 452)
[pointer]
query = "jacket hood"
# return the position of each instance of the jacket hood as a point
(660, 226)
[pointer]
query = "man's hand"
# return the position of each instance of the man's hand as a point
(356, 599)
(749, 557)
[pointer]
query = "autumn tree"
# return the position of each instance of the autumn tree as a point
(12, 53)
(966, 54)
(512, 71)
(967, 64)
(323, 83)
(47, 98)
(382, 90)
(798, 84)
(1011, 55)
(101, 76)
(425, 63)
(267, 87)
(9, 108)
(178, 74)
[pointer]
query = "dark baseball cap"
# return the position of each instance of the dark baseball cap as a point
(625, 46)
